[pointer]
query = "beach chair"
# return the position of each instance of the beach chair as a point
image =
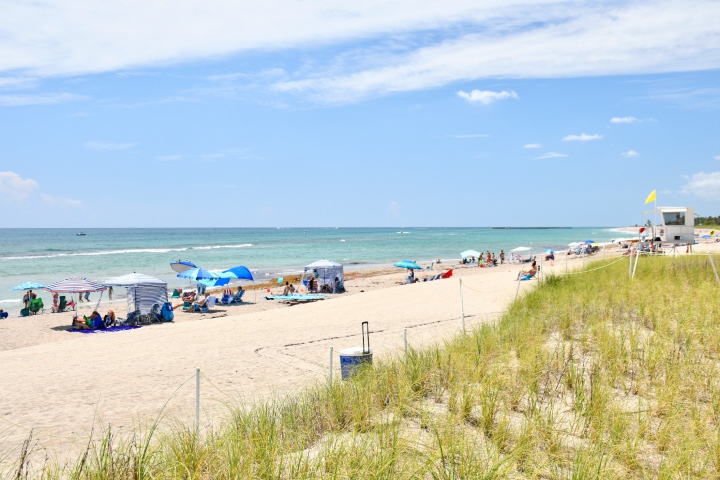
(36, 306)
(237, 298)
(226, 300)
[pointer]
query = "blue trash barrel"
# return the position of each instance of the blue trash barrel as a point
(351, 359)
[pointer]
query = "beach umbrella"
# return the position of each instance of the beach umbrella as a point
(182, 265)
(241, 273)
(75, 285)
(469, 253)
(706, 236)
(549, 250)
(409, 264)
(29, 286)
(197, 274)
(588, 242)
(214, 282)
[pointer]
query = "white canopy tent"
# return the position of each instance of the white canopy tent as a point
(324, 272)
(519, 252)
(143, 291)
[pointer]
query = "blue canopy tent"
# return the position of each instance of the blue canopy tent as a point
(239, 273)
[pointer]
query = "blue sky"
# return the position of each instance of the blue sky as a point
(223, 114)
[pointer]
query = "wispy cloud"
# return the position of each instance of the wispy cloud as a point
(703, 185)
(39, 99)
(532, 145)
(630, 154)
(550, 155)
(169, 158)
(102, 146)
(583, 137)
(624, 120)
(18, 82)
(14, 188)
(470, 135)
(717, 157)
(60, 201)
(486, 97)
(233, 153)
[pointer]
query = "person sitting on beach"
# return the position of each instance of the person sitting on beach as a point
(202, 303)
(286, 290)
(89, 323)
(188, 296)
(109, 319)
(438, 261)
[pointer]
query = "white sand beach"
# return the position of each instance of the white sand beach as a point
(61, 385)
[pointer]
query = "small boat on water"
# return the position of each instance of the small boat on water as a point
(80, 234)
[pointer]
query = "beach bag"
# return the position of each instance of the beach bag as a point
(167, 312)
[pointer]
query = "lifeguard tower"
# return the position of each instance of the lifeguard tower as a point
(678, 225)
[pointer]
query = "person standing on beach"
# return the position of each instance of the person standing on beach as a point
(502, 257)
(110, 291)
(87, 296)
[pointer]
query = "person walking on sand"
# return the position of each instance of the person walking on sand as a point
(110, 292)
(502, 257)
(87, 296)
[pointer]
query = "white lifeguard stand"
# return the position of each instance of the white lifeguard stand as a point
(678, 225)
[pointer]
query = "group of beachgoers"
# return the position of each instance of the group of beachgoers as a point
(488, 260)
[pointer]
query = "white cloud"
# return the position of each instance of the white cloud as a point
(717, 157)
(38, 99)
(624, 120)
(486, 97)
(470, 135)
(583, 137)
(703, 185)
(532, 145)
(14, 188)
(630, 154)
(17, 82)
(233, 153)
(60, 201)
(102, 146)
(550, 155)
(415, 45)
(547, 40)
(169, 158)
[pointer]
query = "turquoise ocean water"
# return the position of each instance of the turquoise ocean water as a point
(48, 255)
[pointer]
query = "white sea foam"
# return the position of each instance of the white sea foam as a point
(14, 300)
(213, 247)
(122, 252)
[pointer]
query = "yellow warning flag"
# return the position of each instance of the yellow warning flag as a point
(651, 197)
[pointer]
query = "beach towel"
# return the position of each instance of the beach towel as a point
(116, 328)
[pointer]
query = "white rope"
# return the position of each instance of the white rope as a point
(598, 268)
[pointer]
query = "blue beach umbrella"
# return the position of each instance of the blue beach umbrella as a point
(549, 250)
(241, 273)
(409, 264)
(197, 274)
(589, 241)
(29, 286)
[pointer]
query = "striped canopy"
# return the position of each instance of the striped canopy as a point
(75, 285)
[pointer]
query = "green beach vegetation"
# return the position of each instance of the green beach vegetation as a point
(590, 375)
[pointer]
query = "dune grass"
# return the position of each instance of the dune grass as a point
(590, 375)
